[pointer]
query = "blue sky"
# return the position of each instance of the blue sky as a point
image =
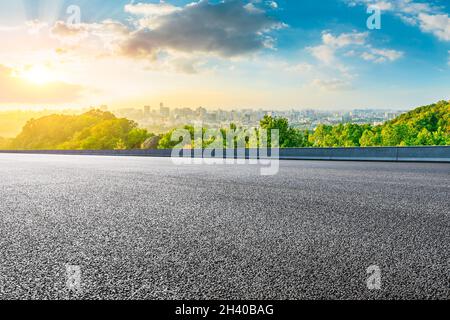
(277, 54)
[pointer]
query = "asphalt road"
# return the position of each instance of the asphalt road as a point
(143, 228)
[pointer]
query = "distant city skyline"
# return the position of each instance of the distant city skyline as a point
(163, 118)
(212, 108)
(280, 54)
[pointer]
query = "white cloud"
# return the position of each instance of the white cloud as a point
(252, 8)
(300, 68)
(324, 54)
(272, 4)
(383, 5)
(430, 18)
(173, 37)
(408, 20)
(64, 31)
(151, 9)
(400, 6)
(357, 42)
(337, 75)
(106, 29)
(226, 29)
(381, 55)
(439, 25)
(330, 44)
(35, 26)
(344, 39)
(332, 84)
(413, 8)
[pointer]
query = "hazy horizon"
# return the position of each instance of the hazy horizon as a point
(156, 106)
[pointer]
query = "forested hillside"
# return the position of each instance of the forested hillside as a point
(92, 130)
(424, 126)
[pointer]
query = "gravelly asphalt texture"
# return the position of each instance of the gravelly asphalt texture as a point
(143, 228)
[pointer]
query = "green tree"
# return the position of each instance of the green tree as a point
(370, 138)
(424, 138)
(167, 143)
(136, 137)
(289, 137)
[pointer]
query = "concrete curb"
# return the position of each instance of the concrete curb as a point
(392, 154)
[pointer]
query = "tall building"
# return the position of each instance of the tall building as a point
(163, 111)
(201, 112)
(147, 110)
(347, 117)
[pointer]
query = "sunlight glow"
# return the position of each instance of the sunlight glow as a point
(39, 75)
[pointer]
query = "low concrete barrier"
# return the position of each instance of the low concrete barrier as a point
(355, 154)
(433, 154)
(114, 153)
(395, 154)
(400, 154)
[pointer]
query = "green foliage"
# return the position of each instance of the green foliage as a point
(289, 137)
(424, 126)
(136, 137)
(371, 137)
(94, 130)
(97, 130)
(166, 139)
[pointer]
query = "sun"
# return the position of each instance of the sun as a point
(37, 74)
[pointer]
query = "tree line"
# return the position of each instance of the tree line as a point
(424, 126)
(98, 130)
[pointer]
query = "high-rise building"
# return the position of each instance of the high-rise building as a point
(163, 111)
(201, 112)
(147, 110)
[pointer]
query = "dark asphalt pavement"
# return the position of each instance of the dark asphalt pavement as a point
(143, 228)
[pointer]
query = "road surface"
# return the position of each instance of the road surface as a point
(143, 228)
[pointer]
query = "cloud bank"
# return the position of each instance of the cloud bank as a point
(227, 29)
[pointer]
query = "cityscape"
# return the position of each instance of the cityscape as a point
(163, 118)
